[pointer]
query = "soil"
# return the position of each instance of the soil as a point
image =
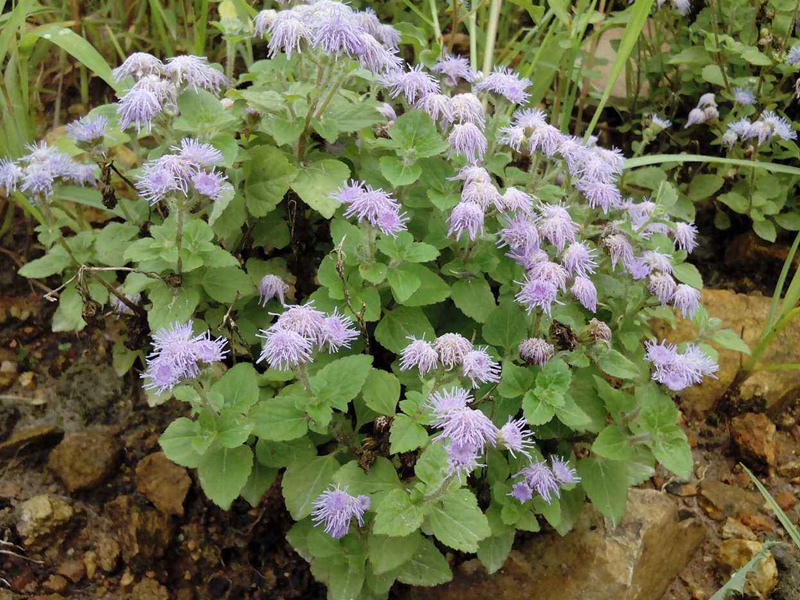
(66, 381)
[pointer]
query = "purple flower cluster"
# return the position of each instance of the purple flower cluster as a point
(333, 28)
(706, 110)
(762, 130)
(505, 82)
(158, 85)
(682, 6)
(40, 169)
(178, 354)
(190, 167)
(335, 508)
(450, 350)
(301, 330)
(120, 307)
(374, 206)
(454, 68)
(679, 370)
(544, 480)
(536, 351)
(89, 130)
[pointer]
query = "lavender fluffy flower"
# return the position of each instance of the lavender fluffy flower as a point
(512, 136)
(139, 107)
(467, 108)
(437, 106)
(599, 194)
(337, 34)
(176, 354)
(302, 319)
(375, 206)
(463, 458)
(204, 155)
(412, 84)
(770, 125)
(445, 402)
(696, 117)
(453, 68)
(195, 72)
(10, 175)
(585, 292)
(659, 122)
(507, 83)
(482, 193)
(452, 347)
(120, 307)
(466, 216)
(272, 286)
(479, 367)
(744, 96)
(138, 65)
(336, 332)
(209, 183)
(519, 233)
(579, 259)
(542, 137)
(467, 140)
(89, 129)
(40, 169)
(549, 271)
(657, 261)
(620, 249)
(675, 370)
(335, 508)
(515, 437)
(536, 351)
(556, 225)
(521, 492)
(536, 293)
(420, 355)
(793, 57)
(156, 182)
(287, 32)
(284, 349)
(516, 200)
(662, 286)
(563, 472)
(539, 478)
(375, 57)
(686, 236)
(686, 299)
(466, 427)
(263, 22)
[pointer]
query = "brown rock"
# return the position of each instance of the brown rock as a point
(163, 482)
(90, 562)
(734, 554)
(72, 569)
(736, 529)
(721, 500)
(84, 460)
(746, 315)
(758, 523)
(55, 583)
(790, 470)
(41, 518)
(31, 438)
(8, 373)
(637, 560)
(786, 500)
(754, 437)
(144, 533)
(149, 589)
(107, 553)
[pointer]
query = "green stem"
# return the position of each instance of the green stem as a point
(179, 234)
(491, 35)
(302, 375)
(472, 27)
(437, 30)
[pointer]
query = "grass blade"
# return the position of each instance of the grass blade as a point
(776, 295)
(638, 17)
(657, 159)
(735, 584)
(782, 517)
(79, 48)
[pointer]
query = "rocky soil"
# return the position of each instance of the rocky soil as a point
(90, 507)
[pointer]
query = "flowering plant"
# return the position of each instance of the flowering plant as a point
(720, 93)
(429, 315)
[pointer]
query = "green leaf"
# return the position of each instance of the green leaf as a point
(704, 186)
(606, 484)
(506, 325)
(69, 314)
(397, 172)
(340, 381)
(657, 159)
(427, 567)
(406, 435)
(52, 263)
(233, 429)
(387, 553)
(279, 419)
(727, 338)
(238, 386)
(396, 515)
(494, 550)
(614, 443)
(432, 466)
(552, 382)
(202, 114)
(347, 579)
(687, 273)
(171, 305)
(403, 283)
(316, 182)
(304, 480)
(223, 284)
(755, 57)
(514, 381)
(474, 298)
(282, 454)
(416, 134)
(457, 522)
(420, 253)
(617, 365)
(268, 175)
(713, 74)
(380, 479)
(260, 480)
(223, 473)
(432, 289)
(397, 325)
(536, 410)
(765, 230)
(177, 442)
(381, 392)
